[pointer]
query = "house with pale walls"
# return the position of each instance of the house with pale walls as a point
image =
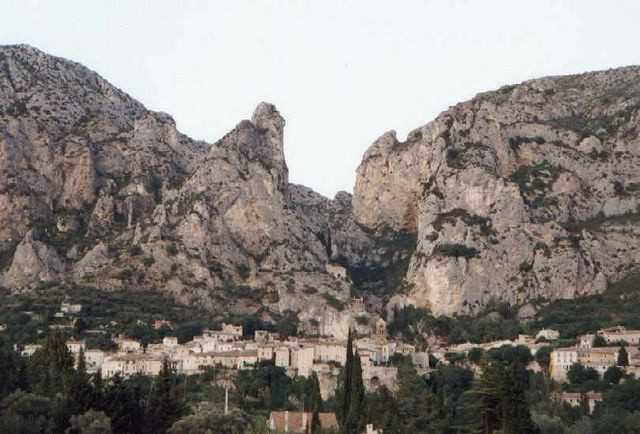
(27, 350)
(302, 360)
(131, 364)
(574, 399)
(282, 356)
(548, 334)
(93, 360)
(262, 336)
(75, 346)
(620, 334)
(236, 359)
(599, 359)
(70, 308)
(127, 345)
(169, 342)
(587, 340)
(298, 422)
(265, 351)
(160, 323)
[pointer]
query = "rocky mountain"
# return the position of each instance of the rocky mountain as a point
(529, 192)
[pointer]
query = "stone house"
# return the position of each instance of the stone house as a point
(599, 359)
(298, 422)
(620, 334)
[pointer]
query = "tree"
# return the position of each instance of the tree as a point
(599, 341)
(543, 357)
(211, 420)
(350, 394)
(502, 391)
(80, 390)
(166, 405)
(353, 423)
(11, 370)
(27, 413)
(416, 404)
(613, 375)
(578, 374)
(50, 367)
(475, 355)
(623, 357)
(91, 422)
(345, 383)
(122, 405)
(312, 397)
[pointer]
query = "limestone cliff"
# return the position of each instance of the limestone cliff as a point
(528, 192)
(524, 193)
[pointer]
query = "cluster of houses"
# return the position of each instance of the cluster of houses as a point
(225, 348)
(588, 355)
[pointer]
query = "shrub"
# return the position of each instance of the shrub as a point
(455, 250)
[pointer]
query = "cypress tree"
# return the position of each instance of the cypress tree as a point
(353, 423)
(313, 398)
(346, 381)
(97, 391)
(623, 357)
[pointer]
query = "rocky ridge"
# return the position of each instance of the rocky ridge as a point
(529, 192)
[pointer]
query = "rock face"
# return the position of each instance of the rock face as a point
(528, 192)
(524, 193)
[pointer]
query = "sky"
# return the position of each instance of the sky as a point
(340, 72)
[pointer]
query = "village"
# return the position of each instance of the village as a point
(229, 350)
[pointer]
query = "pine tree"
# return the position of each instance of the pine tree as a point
(122, 405)
(51, 366)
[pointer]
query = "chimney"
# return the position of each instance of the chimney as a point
(304, 422)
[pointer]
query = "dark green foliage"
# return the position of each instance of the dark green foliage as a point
(475, 355)
(27, 413)
(172, 249)
(543, 357)
(312, 400)
(122, 403)
(12, 370)
(266, 387)
(578, 374)
(623, 357)
(287, 324)
(613, 375)
(50, 367)
(333, 301)
(350, 395)
(166, 402)
(455, 250)
(452, 216)
(534, 181)
(585, 126)
(501, 390)
(210, 420)
(618, 305)
(80, 394)
(416, 404)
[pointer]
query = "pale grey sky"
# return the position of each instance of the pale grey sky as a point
(340, 72)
